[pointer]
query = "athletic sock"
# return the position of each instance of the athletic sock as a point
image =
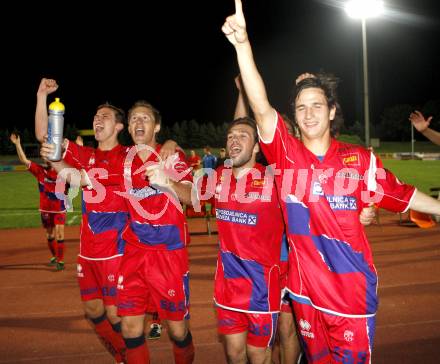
(111, 339)
(137, 350)
(184, 350)
(60, 250)
(51, 246)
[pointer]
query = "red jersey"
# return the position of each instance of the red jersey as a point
(50, 201)
(195, 162)
(250, 227)
(157, 221)
(331, 261)
(104, 213)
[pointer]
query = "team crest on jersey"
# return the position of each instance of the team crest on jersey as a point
(348, 336)
(111, 277)
(92, 160)
(323, 178)
(317, 189)
(351, 159)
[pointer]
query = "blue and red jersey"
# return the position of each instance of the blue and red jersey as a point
(157, 221)
(331, 264)
(50, 200)
(104, 212)
(250, 227)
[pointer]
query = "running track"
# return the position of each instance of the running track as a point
(41, 318)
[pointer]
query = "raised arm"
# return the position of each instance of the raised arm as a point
(422, 125)
(47, 86)
(15, 139)
(235, 30)
(242, 106)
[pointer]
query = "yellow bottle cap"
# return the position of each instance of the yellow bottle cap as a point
(57, 105)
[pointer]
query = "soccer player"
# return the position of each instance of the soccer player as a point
(250, 225)
(290, 349)
(194, 161)
(324, 184)
(52, 205)
(155, 264)
(104, 216)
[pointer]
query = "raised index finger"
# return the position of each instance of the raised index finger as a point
(238, 8)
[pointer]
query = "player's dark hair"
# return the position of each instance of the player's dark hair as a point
(244, 121)
(328, 83)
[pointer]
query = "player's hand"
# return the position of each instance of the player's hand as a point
(47, 86)
(168, 149)
(157, 176)
(419, 121)
(46, 150)
(235, 26)
(367, 215)
(79, 140)
(15, 139)
(303, 76)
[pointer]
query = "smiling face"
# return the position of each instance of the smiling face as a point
(313, 115)
(142, 125)
(105, 125)
(242, 146)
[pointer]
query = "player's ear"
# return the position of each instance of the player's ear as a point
(119, 127)
(256, 148)
(332, 113)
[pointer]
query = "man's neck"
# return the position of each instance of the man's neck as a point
(108, 144)
(318, 147)
(239, 172)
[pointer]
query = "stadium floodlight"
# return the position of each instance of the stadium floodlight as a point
(363, 9)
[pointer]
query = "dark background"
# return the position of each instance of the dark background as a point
(174, 54)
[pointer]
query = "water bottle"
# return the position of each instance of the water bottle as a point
(55, 128)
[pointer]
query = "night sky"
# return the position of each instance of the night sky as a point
(173, 54)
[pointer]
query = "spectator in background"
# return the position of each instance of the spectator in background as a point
(52, 205)
(194, 161)
(221, 158)
(209, 161)
(422, 125)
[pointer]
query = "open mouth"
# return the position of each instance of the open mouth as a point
(98, 128)
(234, 151)
(139, 132)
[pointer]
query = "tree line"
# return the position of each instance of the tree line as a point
(393, 125)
